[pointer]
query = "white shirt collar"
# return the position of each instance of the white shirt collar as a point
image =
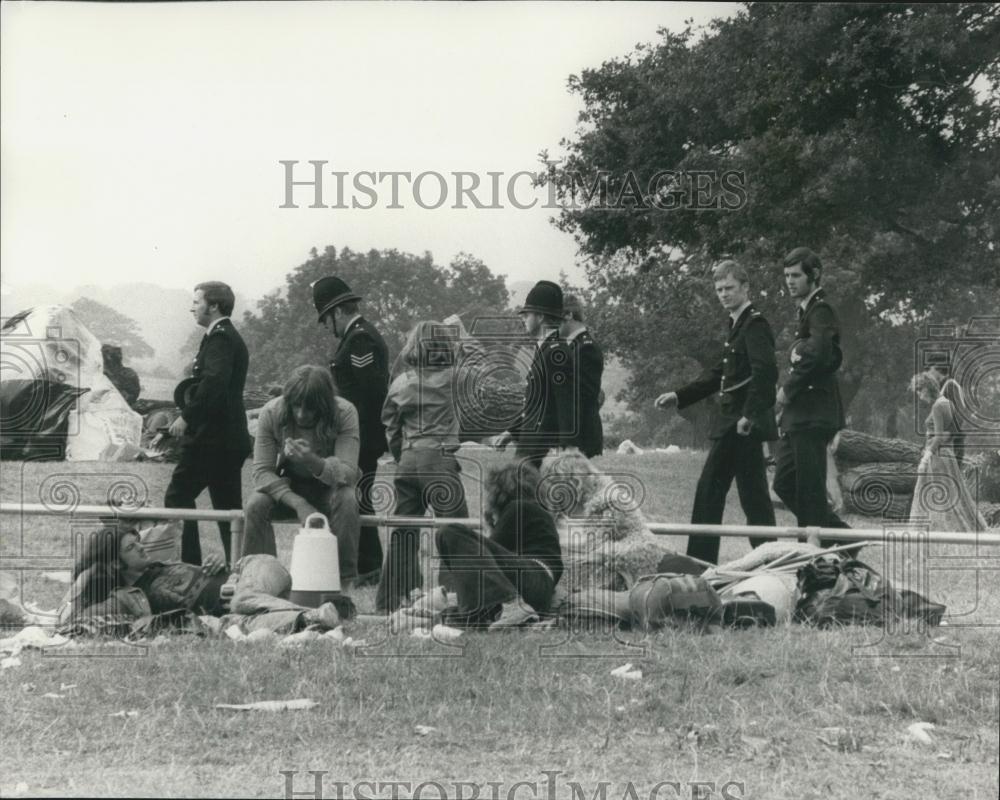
(739, 311)
(805, 302)
(213, 323)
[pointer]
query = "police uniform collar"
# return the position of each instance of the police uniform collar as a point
(213, 323)
(577, 332)
(354, 320)
(547, 338)
(739, 312)
(815, 294)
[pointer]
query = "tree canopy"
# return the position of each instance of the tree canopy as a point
(112, 327)
(870, 133)
(397, 290)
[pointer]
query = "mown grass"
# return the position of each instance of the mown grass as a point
(747, 707)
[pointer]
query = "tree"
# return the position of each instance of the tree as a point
(870, 133)
(397, 290)
(112, 327)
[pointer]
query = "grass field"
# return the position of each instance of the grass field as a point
(788, 712)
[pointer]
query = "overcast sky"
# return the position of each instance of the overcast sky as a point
(141, 142)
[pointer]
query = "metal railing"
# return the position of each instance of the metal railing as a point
(236, 519)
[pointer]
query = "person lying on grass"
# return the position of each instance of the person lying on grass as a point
(113, 576)
(505, 579)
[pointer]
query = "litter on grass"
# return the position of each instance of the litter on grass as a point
(627, 672)
(271, 705)
(920, 732)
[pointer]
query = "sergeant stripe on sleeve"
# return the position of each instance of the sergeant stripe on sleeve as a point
(362, 361)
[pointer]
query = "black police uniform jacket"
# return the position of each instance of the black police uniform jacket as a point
(361, 371)
(812, 396)
(548, 416)
(215, 414)
(588, 368)
(743, 380)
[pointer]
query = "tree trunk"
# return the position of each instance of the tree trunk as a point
(878, 503)
(855, 447)
(896, 476)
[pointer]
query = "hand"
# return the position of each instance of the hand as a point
(302, 507)
(500, 441)
(178, 427)
(666, 400)
(213, 564)
(743, 426)
(299, 452)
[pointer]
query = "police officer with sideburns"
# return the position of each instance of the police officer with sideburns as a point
(743, 382)
(809, 406)
(361, 371)
(549, 417)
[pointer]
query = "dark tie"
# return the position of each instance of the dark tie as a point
(799, 313)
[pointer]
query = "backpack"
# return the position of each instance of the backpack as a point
(834, 591)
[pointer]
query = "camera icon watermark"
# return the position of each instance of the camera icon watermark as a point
(964, 364)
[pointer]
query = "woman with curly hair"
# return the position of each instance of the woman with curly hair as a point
(421, 424)
(940, 495)
(507, 578)
(606, 542)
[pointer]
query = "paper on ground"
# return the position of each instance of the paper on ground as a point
(270, 705)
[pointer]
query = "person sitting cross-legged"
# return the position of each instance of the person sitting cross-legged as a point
(306, 459)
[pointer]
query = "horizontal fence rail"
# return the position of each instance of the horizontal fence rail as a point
(893, 532)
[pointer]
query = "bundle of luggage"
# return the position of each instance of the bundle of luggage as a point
(797, 582)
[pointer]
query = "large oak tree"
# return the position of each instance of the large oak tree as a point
(870, 133)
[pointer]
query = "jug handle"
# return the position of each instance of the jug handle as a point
(313, 518)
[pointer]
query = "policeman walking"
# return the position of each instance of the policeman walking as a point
(808, 403)
(361, 371)
(743, 382)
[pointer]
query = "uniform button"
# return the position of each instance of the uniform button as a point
(725, 361)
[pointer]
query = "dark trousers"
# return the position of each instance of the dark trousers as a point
(424, 479)
(800, 478)
(485, 574)
(369, 546)
(742, 458)
(199, 468)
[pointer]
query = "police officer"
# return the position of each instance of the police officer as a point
(548, 416)
(361, 370)
(808, 404)
(743, 382)
(212, 426)
(587, 369)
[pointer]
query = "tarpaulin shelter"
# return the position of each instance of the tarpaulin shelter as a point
(55, 400)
